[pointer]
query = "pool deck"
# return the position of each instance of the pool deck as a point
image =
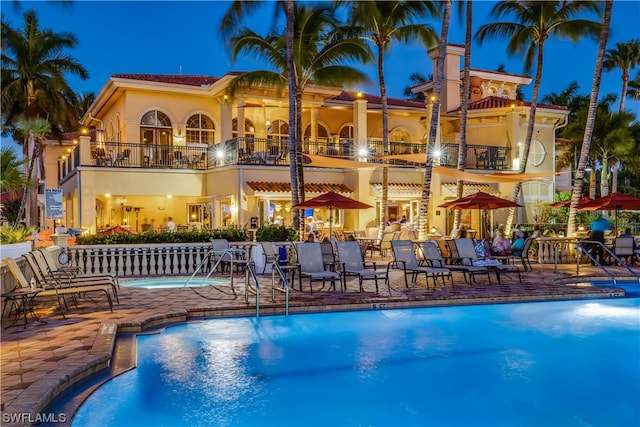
(41, 361)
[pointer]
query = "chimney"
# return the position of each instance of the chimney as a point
(451, 85)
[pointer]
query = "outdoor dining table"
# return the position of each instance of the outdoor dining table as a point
(21, 301)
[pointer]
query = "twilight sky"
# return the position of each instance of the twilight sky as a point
(170, 37)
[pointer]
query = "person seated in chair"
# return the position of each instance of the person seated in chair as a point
(501, 244)
(311, 237)
(518, 244)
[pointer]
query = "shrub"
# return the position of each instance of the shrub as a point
(11, 234)
(276, 233)
(233, 234)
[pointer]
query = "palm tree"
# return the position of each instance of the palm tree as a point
(626, 56)
(466, 89)
(415, 79)
(33, 131)
(435, 115)
(381, 23)
(12, 177)
(634, 88)
(588, 132)
(533, 23)
(320, 55)
(34, 65)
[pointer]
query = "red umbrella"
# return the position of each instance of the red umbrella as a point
(567, 203)
(332, 200)
(481, 201)
(614, 201)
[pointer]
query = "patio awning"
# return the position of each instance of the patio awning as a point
(398, 189)
(450, 188)
(262, 188)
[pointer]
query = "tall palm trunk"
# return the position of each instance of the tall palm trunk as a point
(385, 142)
(591, 115)
(527, 143)
(291, 84)
(31, 190)
(435, 115)
(299, 167)
(466, 83)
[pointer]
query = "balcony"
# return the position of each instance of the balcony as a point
(270, 152)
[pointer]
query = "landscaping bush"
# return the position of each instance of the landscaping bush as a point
(232, 234)
(276, 233)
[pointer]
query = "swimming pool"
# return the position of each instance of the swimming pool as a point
(171, 282)
(572, 363)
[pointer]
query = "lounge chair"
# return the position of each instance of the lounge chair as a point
(385, 243)
(433, 256)
(468, 256)
(328, 256)
(351, 264)
(222, 253)
(404, 257)
(43, 274)
(53, 288)
(310, 265)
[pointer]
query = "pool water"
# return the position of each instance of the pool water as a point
(172, 282)
(571, 363)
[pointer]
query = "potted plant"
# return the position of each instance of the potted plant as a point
(14, 241)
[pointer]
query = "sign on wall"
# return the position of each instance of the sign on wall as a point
(53, 203)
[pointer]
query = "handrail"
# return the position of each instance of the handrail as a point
(199, 266)
(580, 245)
(250, 272)
(276, 269)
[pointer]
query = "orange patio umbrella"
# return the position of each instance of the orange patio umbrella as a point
(567, 203)
(332, 200)
(481, 201)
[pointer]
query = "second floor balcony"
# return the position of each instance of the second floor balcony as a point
(271, 152)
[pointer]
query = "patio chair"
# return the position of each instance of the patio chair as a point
(328, 256)
(352, 264)
(270, 255)
(227, 258)
(468, 256)
(432, 255)
(623, 248)
(384, 244)
(310, 265)
(52, 288)
(404, 257)
(45, 268)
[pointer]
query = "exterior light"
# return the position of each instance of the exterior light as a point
(437, 153)
(359, 94)
(513, 107)
(169, 196)
(362, 152)
(107, 195)
(220, 153)
(433, 98)
(516, 163)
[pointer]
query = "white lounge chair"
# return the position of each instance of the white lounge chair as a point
(310, 265)
(351, 264)
(404, 257)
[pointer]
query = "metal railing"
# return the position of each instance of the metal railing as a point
(276, 270)
(580, 246)
(250, 273)
(268, 151)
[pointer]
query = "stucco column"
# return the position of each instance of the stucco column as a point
(241, 129)
(360, 121)
(226, 120)
(314, 124)
(513, 133)
(84, 145)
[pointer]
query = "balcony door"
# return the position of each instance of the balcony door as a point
(156, 138)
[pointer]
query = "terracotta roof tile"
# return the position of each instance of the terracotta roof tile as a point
(377, 100)
(191, 80)
(469, 189)
(399, 189)
(499, 102)
(285, 187)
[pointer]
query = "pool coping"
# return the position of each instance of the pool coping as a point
(109, 352)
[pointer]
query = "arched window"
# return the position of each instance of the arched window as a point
(323, 134)
(155, 119)
(347, 133)
(249, 129)
(278, 129)
(200, 130)
(399, 135)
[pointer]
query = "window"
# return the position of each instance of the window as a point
(155, 119)
(537, 153)
(347, 133)
(399, 135)
(200, 130)
(249, 129)
(277, 129)
(323, 134)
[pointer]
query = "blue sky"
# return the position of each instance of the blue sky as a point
(169, 37)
